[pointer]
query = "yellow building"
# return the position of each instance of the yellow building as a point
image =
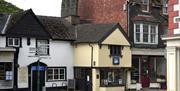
(102, 57)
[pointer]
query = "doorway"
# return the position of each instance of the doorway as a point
(36, 73)
(83, 78)
(145, 79)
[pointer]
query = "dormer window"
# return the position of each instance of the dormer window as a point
(145, 5)
(13, 42)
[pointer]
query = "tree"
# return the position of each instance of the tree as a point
(8, 7)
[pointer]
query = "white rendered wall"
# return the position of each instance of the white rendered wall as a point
(2, 41)
(61, 55)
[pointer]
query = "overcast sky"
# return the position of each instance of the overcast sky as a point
(40, 7)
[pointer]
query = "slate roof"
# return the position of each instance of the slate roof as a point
(95, 33)
(37, 26)
(3, 20)
(59, 28)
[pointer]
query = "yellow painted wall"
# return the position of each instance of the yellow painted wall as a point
(106, 61)
(82, 54)
(116, 38)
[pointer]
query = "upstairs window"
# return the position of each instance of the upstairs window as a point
(115, 50)
(165, 7)
(13, 42)
(145, 5)
(145, 33)
(42, 47)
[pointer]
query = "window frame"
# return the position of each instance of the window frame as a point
(48, 45)
(114, 50)
(54, 68)
(165, 7)
(149, 33)
(13, 40)
(144, 4)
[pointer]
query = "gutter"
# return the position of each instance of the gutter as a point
(92, 49)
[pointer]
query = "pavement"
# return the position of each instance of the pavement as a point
(147, 89)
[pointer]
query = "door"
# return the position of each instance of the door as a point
(37, 76)
(83, 78)
(145, 79)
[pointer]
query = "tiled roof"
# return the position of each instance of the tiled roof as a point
(93, 33)
(58, 28)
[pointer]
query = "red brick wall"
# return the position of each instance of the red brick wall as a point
(172, 25)
(103, 11)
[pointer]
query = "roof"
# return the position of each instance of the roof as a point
(96, 33)
(27, 24)
(59, 28)
(3, 20)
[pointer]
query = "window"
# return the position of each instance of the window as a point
(145, 33)
(115, 50)
(54, 74)
(6, 74)
(111, 77)
(13, 42)
(145, 5)
(43, 47)
(165, 7)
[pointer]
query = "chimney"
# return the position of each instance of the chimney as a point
(73, 19)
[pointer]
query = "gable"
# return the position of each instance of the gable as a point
(116, 38)
(27, 26)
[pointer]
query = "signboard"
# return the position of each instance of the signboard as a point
(38, 68)
(116, 60)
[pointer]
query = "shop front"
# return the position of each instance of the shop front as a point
(149, 71)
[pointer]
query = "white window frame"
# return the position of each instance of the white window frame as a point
(59, 79)
(141, 34)
(13, 39)
(165, 7)
(42, 47)
(147, 6)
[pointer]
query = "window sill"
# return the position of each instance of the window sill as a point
(145, 43)
(56, 80)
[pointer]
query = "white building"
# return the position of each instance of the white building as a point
(25, 39)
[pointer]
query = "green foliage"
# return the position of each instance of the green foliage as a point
(8, 7)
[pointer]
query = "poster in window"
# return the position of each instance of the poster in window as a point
(8, 75)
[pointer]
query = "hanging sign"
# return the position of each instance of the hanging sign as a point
(116, 60)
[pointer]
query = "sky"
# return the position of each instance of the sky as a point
(40, 7)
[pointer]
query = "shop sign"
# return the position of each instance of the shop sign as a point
(38, 68)
(116, 60)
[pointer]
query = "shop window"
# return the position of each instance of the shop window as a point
(115, 50)
(112, 77)
(13, 42)
(43, 47)
(56, 74)
(6, 74)
(157, 69)
(135, 70)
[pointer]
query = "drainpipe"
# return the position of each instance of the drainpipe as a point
(92, 49)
